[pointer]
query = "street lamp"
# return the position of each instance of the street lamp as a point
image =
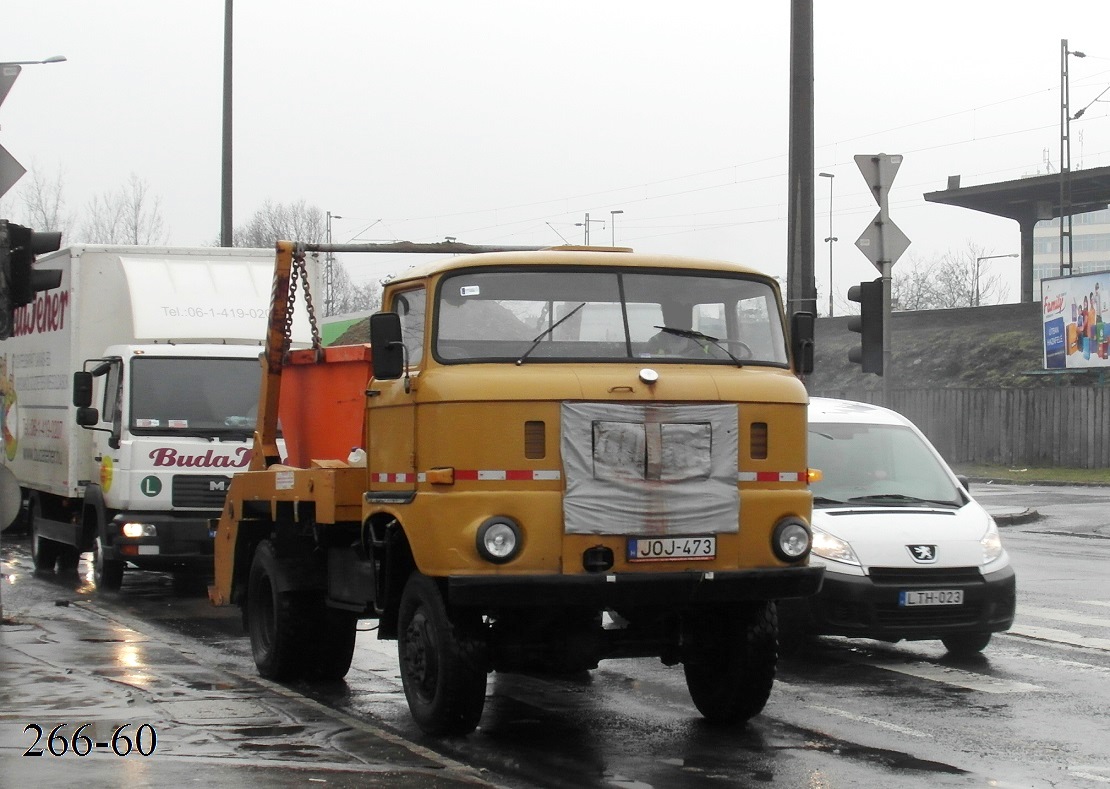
(975, 298)
(830, 239)
(51, 59)
(613, 225)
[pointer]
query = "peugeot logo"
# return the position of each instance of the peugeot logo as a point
(923, 554)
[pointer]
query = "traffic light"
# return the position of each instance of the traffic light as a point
(19, 279)
(869, 324)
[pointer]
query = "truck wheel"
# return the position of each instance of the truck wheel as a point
(107, 573)
(444, 681)
(68, 559)
(335, 645)
(280, 623)
(966, 644)
(44, 552)
(731, 666)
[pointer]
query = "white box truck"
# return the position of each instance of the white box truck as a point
(129, 395)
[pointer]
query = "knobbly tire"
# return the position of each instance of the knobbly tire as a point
(730, 665)
(107, 573)
(280, 623)
(966, 644)
(334, 646)
(441, 667)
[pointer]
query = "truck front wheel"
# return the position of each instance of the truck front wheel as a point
(441, 669)
(280, 622)
(107, 573)
(730, 662)
(44, 552)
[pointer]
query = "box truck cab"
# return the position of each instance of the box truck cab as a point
(908, 553)
(131, 392)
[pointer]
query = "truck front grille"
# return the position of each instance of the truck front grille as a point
(200, 492)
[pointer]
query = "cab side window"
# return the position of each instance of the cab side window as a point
(411, 305)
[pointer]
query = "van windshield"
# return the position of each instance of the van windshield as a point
(174, 395)
(563, 314)
(878, 464)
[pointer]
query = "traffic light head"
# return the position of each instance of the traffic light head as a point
(869, 325)
(19, 280)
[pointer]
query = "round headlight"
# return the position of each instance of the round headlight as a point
(791, 540)
(498, 540)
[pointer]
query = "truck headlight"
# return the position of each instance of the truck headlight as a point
(827, 546)
(791, 540)
(992, 543)
(134, 530)
(499, 539)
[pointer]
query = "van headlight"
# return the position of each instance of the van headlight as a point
(992, 543)
(498, 539)
(136, 530)
(833, 548)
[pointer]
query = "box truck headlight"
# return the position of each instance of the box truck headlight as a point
(827, 546)
(499, 539)
(135, 530)
(791, 540)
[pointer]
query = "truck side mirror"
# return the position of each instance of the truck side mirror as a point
(82, 389)
(387, 351)
(801, 341)
(87, 417)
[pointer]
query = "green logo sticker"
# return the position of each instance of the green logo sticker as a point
(150, 486)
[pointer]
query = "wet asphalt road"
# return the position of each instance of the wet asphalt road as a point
(1030, 712)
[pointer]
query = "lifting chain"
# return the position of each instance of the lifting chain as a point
(300, 271)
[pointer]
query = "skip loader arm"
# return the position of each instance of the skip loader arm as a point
(265, 451)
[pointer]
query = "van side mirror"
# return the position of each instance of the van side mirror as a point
(801, 341)
(82, 389)
(387, 351)
(88, 417)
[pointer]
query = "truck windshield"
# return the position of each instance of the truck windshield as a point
(877, 464)
(194, 396)
(596, 315)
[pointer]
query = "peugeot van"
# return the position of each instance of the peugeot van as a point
(908, 553)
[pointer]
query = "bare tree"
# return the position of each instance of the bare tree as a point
(280, 222)
(301, 222)
(44, 205)
(955, 279)
(129, 215)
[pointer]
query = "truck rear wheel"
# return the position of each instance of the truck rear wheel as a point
(443, 677)
(730, 667)
(280, 622)
(44, 552)
(107, 573)
(334, 645)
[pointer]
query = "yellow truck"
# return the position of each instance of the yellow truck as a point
(541, 459)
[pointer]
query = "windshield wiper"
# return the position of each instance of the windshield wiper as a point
(546, 332)
(825, 500)
(901, 498)
(697, 335)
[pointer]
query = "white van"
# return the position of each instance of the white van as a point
(908, 553)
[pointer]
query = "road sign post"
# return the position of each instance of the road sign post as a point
(882, 242)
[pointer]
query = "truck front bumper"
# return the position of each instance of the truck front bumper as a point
(601, 590)
(176, 541)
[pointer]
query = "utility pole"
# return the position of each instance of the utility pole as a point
(586, 225)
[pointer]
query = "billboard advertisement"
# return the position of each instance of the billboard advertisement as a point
(1073, 312)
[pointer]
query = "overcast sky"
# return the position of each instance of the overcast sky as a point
(507, 122)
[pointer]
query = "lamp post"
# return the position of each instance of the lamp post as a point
(831, 238)
(975, 297)
(329, 281)
(613, 226)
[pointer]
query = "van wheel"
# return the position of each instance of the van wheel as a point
(966, 644)
(280, 623)
(441, 667)
(107, 573)
(730, 666)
